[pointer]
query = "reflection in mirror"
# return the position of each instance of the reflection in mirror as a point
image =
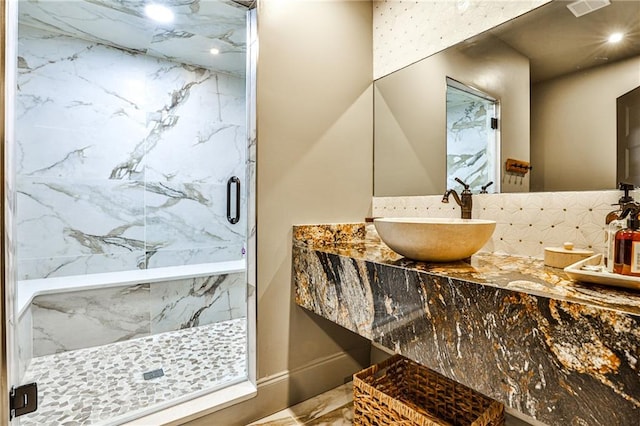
(557, 78)
(628, 112)
(472, 137)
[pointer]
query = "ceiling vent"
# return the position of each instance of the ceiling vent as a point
(582, 7)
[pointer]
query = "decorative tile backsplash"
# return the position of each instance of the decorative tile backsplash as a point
(406, 31)
(118, 167)
(526, 222)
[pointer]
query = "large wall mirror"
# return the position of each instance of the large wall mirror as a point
(559, 83)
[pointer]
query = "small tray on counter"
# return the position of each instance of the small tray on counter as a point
(602, 277)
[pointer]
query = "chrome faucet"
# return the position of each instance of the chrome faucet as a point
(464, 199)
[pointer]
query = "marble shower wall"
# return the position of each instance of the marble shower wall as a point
(122, 159)
(471, 141)
(74, 320)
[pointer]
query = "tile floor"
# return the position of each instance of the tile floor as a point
(101, 384)
(332, 408)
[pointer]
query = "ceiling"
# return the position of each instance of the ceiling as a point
(199, 26)
(558, 43)
(555, 41)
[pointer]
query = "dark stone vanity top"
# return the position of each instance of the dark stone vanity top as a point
(560, 351)
(528, 275)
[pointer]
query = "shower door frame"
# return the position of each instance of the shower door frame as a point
(5, 302)
(199, 405)
(9, 350)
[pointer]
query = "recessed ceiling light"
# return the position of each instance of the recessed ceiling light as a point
(616, 37)
(214, 51)
(158, 13)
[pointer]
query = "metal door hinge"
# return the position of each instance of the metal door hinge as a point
(494, 123)
(23, 400)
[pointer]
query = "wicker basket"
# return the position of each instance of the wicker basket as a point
(399, 391)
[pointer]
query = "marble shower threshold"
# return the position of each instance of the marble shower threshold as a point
(106, 384)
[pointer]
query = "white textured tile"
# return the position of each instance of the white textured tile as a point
(406, 31)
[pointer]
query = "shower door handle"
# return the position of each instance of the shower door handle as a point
(233, 181)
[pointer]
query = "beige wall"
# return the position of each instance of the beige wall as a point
(313, 166)
(410, 117)
(573, 128)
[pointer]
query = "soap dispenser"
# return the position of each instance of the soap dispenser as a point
(627, 244)
(615, 222)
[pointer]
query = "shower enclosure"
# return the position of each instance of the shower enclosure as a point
(129, 225)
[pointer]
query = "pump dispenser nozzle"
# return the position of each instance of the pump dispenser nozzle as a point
(626, 187)
(632, 210)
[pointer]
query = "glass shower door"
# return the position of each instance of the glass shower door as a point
(130, 246)
(472, 137)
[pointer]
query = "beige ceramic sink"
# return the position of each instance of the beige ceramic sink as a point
(434, 239)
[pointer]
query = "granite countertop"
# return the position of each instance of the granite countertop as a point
(524, 274)
(509, 327)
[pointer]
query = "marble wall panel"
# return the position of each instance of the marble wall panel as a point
(67, 321)
(81, 319)
(14, 360)
(125, 25)
(201, 118)
(190, 219)
(470, 140)
(67, 226)
(197, 301)
(194, 256)
(62, 266)
(121, 157)
(24, 333)
(80, 106)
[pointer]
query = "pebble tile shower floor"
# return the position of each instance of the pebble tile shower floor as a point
(97, 385)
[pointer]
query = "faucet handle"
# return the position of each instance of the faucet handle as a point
(483, 189)
(466, 187)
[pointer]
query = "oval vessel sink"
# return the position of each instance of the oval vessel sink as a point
(434, 239)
